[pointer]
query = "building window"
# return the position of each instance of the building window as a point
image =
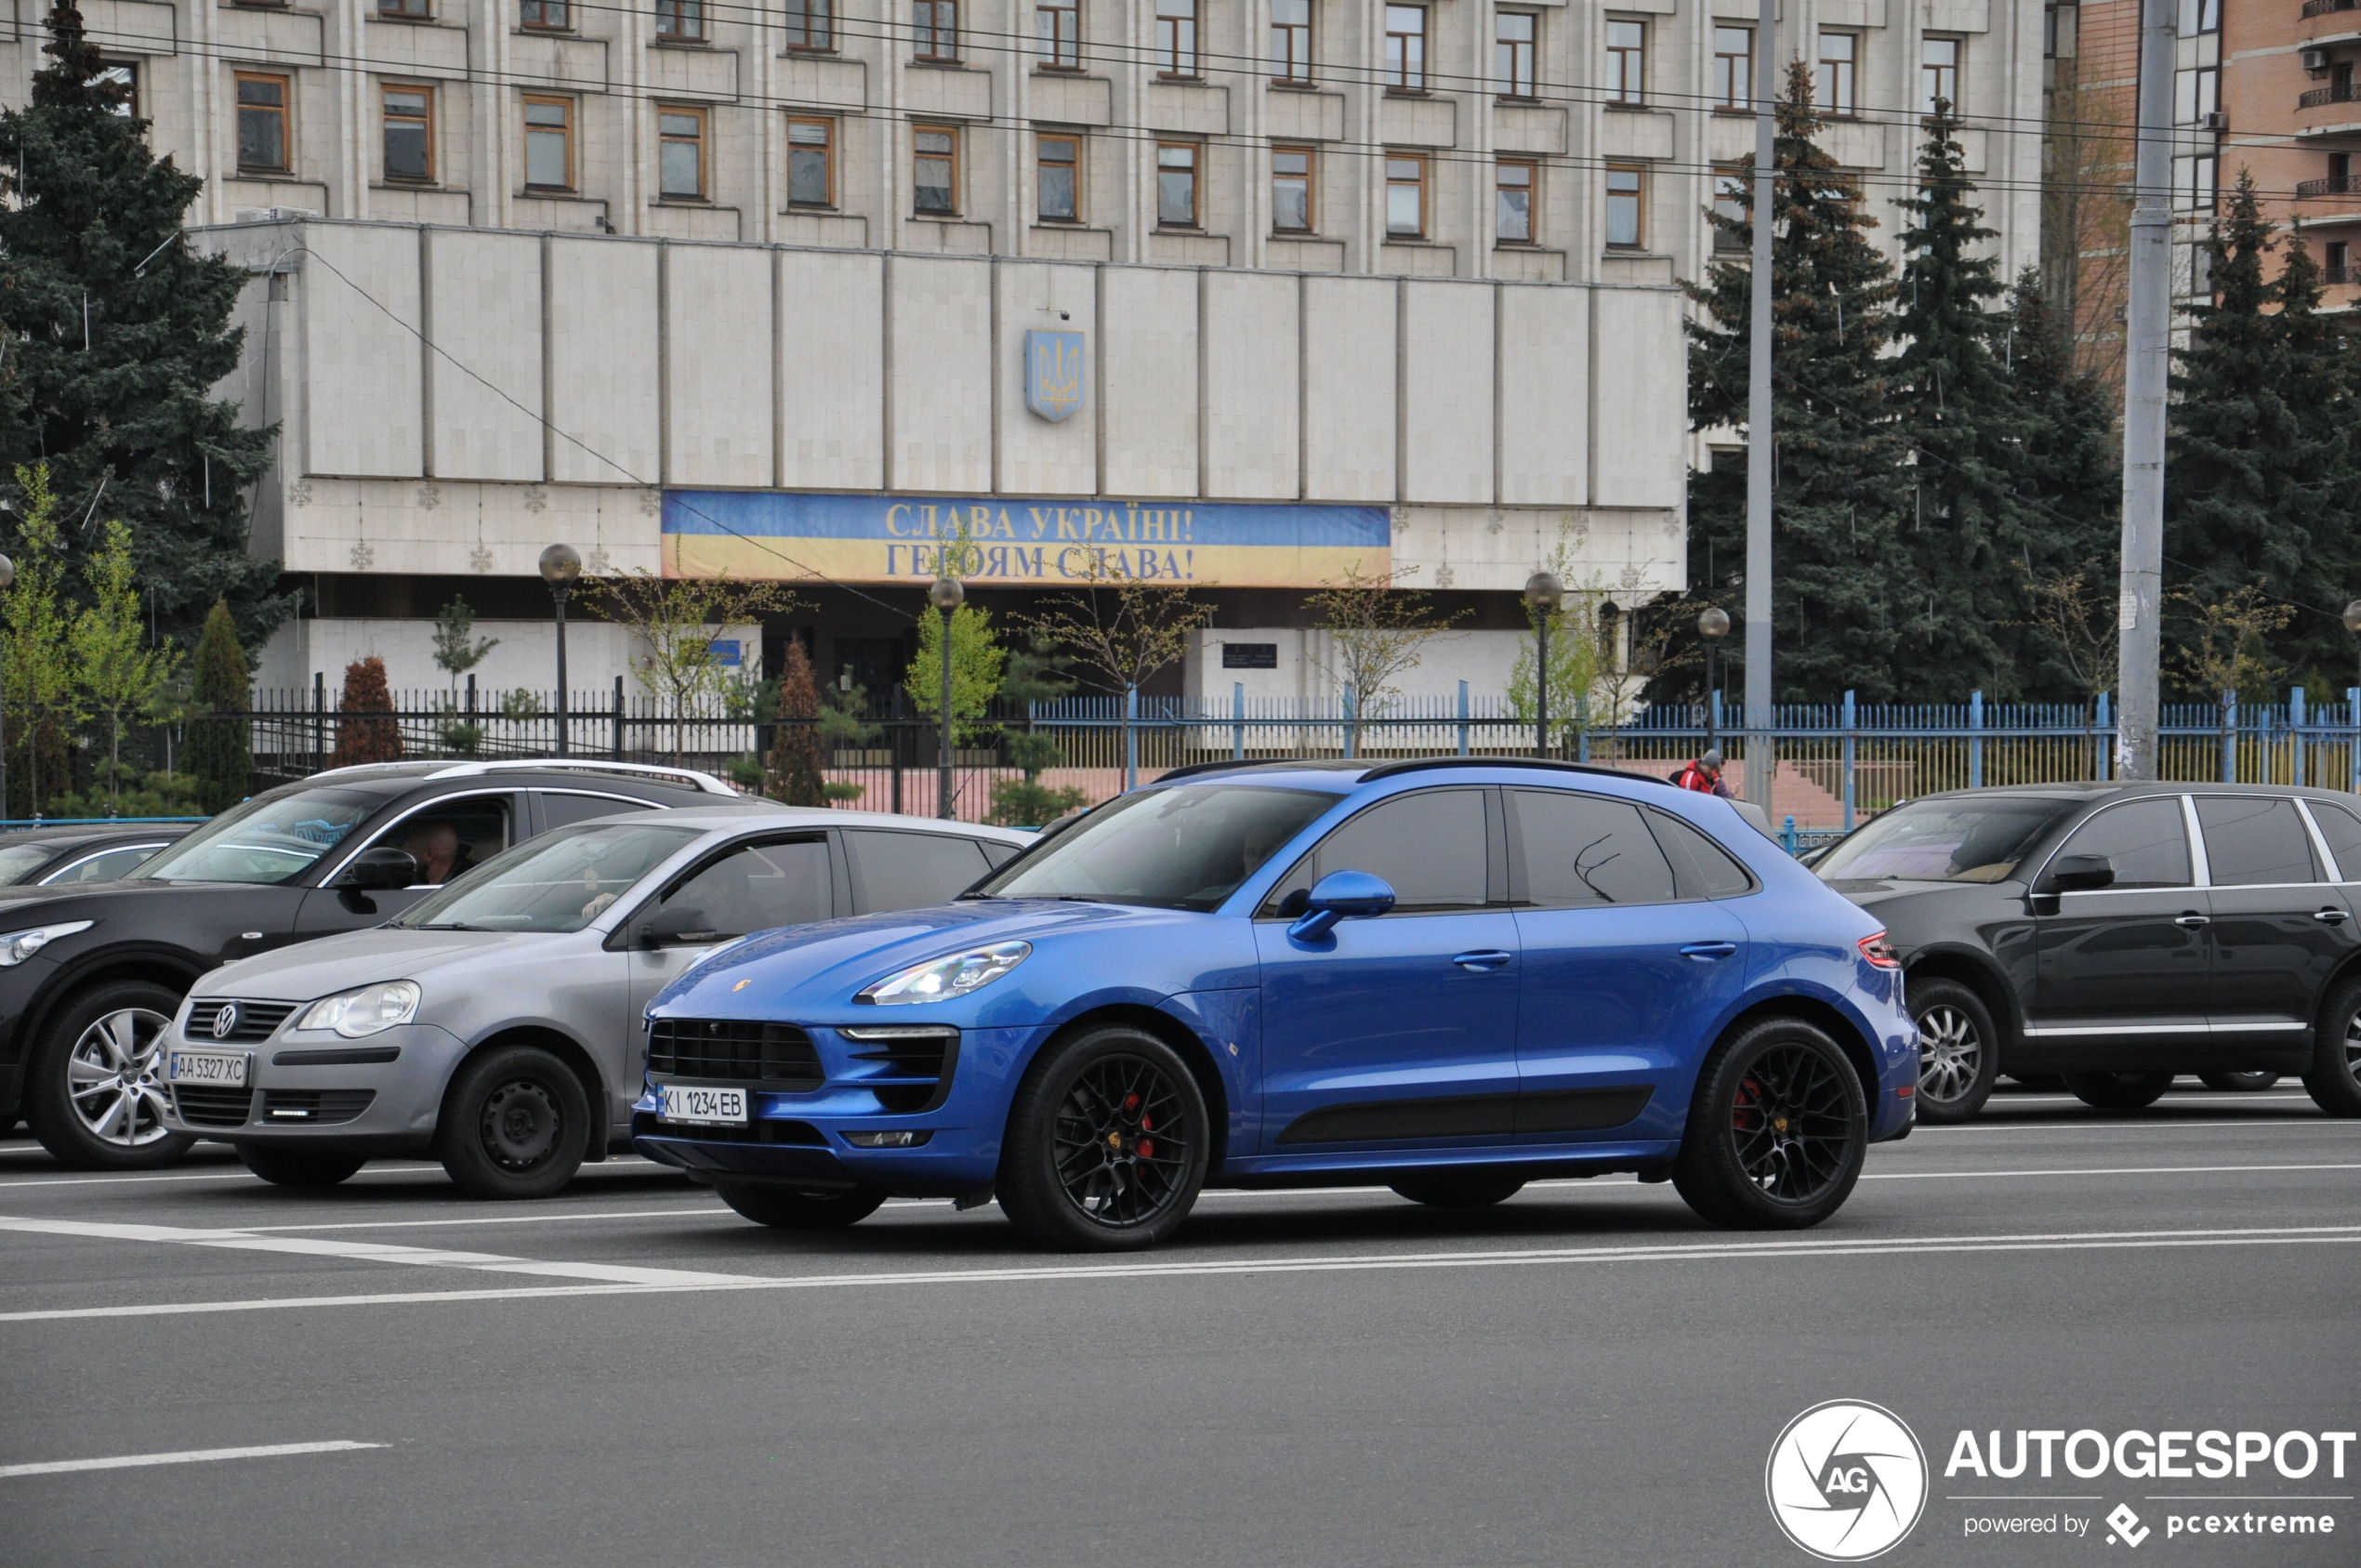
(1058, 26)
(681, 153)
(1939, 75)
(1406, 49)
(1515, 179)
(409, 133)
(546, 16)
(1291, 40)
(2198, 94)
(410, 10)
(1733, 67)
(262, 123)
(123, 77)
(1177, 184)
(2193, 183)
(2200, 15)
(811, 162)
(679, 21)
(2340, 266)
(1626, 199)
(1176, 37)
(935, 170)
(1512, 40)
(1626, 61)
(548, 143)
(812, 24)
(1405, 197)
(1840, 55)
(936, 30)
(1292, 189)
(1059, 159)
(1730, 205)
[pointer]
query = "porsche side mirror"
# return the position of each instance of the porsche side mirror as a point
(377, 869)
(2079, 874)
(1341, 895)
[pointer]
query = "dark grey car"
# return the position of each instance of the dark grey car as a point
(2117, 934)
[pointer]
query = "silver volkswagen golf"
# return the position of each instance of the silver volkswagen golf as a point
(497, 1023)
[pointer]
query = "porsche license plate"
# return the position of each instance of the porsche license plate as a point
(704, 1107)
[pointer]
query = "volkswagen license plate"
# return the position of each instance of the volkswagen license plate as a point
(225, 1067)
(700, 1106)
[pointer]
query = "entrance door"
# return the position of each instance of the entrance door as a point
(2121, 963)
(1398, 1031)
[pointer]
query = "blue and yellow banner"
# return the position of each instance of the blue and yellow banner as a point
(1030, 543)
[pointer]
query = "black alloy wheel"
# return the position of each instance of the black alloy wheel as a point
(1778, 1129)
(2335, 1078)
(794, 1208)
(515, 1124)
(2118, 1092)
(1959, 1059)
(1107, 1143)
(306, 1169)
(1459, 1189)
(2239, 1083)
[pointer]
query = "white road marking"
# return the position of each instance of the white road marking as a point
(2093, 1170)
(241, 1174)
(375, 1252)
(1350, 1263)
(187, 1457)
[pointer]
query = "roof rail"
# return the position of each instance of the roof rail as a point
(1284, 764)
(690, 776)
(1421, 764)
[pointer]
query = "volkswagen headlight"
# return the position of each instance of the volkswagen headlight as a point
(16, 946)
(369, 1010)
(939, 979)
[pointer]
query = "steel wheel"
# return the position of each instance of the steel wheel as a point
(1123, 1141)
(114, 1078)
(522, 1123)
(1792, 1120)
(1950, 1054)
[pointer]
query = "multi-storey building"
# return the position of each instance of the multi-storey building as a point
(1423, 254)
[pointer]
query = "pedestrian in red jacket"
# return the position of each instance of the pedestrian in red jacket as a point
(1704, 775)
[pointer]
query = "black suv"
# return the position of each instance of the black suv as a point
(91, 974)
(2119, 933)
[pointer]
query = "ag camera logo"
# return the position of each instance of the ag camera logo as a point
(1846, 1480)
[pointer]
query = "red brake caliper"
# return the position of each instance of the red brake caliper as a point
(1749, 1100)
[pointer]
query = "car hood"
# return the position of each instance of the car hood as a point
(92, 900)
(339, 963)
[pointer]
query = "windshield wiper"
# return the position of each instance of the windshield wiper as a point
(446, 926)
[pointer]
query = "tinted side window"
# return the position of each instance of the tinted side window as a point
(452, 837)
(2250, 840)
(999, 854)
(103, 867)
(1428, 847)
(1586, 849)
(563, 811)
(756, 887)
(2342, 830)
(1701, 867)
(2145, 840)
(912, 870)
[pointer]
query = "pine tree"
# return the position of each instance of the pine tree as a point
(112, 333)
(1843, 581)
(1967, 534)
(219, 753)
(792, 772)
(373, 736)
(2320, 474)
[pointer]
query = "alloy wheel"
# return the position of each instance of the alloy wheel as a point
(1123, 1141)
(1792, 1123)
(113, 1076)
(521, 1125)
(2353, 1047)
(1950, 1054)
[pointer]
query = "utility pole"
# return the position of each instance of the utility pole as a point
(2146, 349)
(1762, 756)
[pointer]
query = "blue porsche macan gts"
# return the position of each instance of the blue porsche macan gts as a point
(1450, 976)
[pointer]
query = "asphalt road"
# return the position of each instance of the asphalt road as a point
(630, 1374)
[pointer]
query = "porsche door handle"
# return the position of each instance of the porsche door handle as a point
(1707, 951)
(1483, 961)
(2330, 916)
(2191, 922)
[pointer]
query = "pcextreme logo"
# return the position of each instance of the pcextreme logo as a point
(1846, 1480)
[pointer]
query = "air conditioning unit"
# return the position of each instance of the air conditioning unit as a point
(2217, 120)
(2315, 59)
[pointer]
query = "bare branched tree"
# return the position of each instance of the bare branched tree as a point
(675, 620)
(1123, 630)
(2227, 651)
(2078, 617)
(1378, 632)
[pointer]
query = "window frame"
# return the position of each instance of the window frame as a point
(124, 74)
(1177, 61)
(1731, 183)
(953, 157)
(1277, 903)
(1532, 168)
(565, 105)
(827, 125)
(1072, 164)
(284, 111)
(404, 10)
(703, 141)
(1195, 149)
(1426, 207)
(1060, 44)
(1730, 69)
(2195, 18)
(1835, 78)
(533, 16)
(1403, 74)
(1639, 197)
(1931, 75)
(811, 27)
(1522, 79)
(425, 120)
(673, 19)
(931, 42)
(1311, 179)
(1291, 65)
(1627, 63)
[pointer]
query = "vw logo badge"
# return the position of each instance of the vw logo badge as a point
(225, 1020)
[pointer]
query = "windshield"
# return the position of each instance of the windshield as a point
(560, 881)
(268, 838)
(1946, 840)
(1184, 847)
(20, 861)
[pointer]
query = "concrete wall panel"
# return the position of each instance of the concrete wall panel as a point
(832, 381)
(364, 413)
(1641, 431)
(603, 375)
(1545, 383)
(1148, 352)
(718, 426)
(1040, 456)
(939, 357)
(484, 308)
(1250, 370)
(1446, 401)
(1349, 397)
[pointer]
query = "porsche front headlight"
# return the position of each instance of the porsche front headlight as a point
(369, 1010)
(941, 980)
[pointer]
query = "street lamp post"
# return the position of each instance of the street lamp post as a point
(7, 578)
(561, 565)
(945, 596)
(1542, 593)
(1713, 625)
